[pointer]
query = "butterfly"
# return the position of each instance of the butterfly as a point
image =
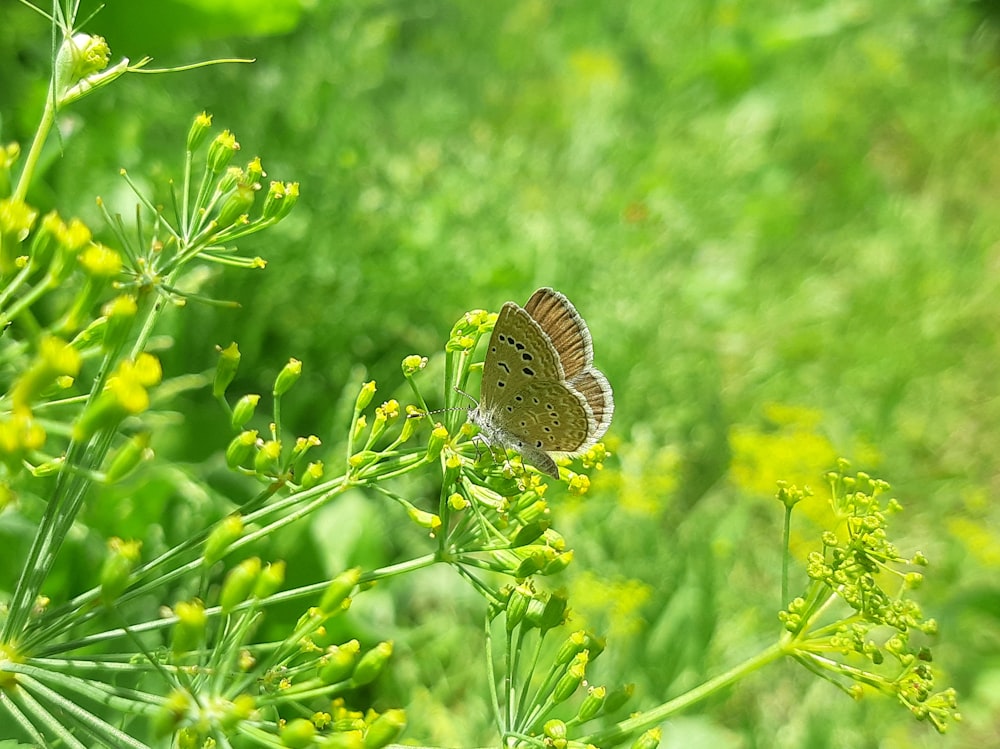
(541, 393)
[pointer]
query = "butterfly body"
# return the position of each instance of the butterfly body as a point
(541, 393)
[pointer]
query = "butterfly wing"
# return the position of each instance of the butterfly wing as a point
(565, 328)
(518, 353)
(596, 391)
(549, 416)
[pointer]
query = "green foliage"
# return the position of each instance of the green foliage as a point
(779, 222)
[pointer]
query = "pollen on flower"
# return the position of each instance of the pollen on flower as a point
(16, 218)
(74, 236)
(147, 370)
(579, 484)
(129, 394)
(101, 261)
(413, 364)
(123, 305)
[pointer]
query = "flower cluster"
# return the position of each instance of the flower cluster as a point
(876, 646)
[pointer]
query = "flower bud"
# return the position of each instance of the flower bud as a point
(298, 733)
(43, 241)
(371, 664)
(71, 238)
(100, 261)
(338, 590)
(570, 680)
(225, 370)
(16, 220)
(517, 606)
(579, 484)
(530, 533)
(171, 713)
(533, 563)
(254, 172)
(117, 567)
(592, 704)
(20, 434)
(200, 128)
(281, 197)
(452, 467)
(365, 396)
(552, 613)
(574, 644)
(363, 459)
(244, 410)
(227, 182)
(312, 474)
(554, 729)
(303, 445)
(146, 369)
(55, 357)
(270, 580)
(221, 151)
(267, 461)
(79, 56)
(235, 712)
(338, 663)
(649, 740)
(120, 313)
(558, 564)
(221, 538)
(409, 427)
(413, 364)
(618, 698)
(239, 583)
(189, 631)
(240, 448)
(385, 729)
(236, 207)
(128, 457)
(360, 424)
(287, 377)
(424, 519)
(436, 443)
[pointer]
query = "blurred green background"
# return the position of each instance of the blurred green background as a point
(778, 218)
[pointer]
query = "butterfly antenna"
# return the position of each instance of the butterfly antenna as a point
(444, 410)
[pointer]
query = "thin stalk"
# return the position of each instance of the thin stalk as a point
(93, 724)
(22, 720)
(44, 718)
(35, 152)
(72, 485)
(785, 542)
(644, 721)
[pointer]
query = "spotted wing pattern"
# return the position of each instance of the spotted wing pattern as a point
(540, 391)
(519, 353)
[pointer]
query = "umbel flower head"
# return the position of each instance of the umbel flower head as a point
(875, 647)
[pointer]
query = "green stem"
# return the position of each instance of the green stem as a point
(785, 541)
(35, 152)
(83, 460)
(644, 721)
(401, 567)
(94, 724)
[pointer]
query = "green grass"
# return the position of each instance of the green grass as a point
(779, 221)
